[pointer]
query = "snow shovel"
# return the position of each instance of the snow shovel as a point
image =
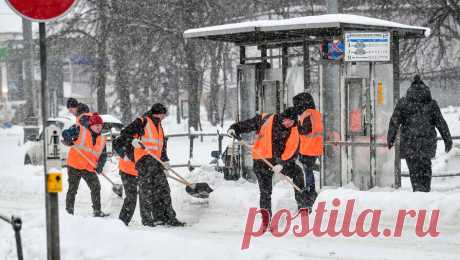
(198, 190)
(116, 188)
(272, 166)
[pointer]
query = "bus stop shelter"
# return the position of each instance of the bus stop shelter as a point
(357, 71)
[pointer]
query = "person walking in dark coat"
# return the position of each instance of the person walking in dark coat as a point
(154, 192)
(418, 115)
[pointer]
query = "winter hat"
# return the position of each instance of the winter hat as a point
(95, 119)
(303, 100)
(290, 113)
(72, 102)
(417, 78)
(82, 108)
(158, 108)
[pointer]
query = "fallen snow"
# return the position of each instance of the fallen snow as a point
(215, 227)
(317, 21)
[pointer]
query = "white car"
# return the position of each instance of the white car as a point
(34, 145)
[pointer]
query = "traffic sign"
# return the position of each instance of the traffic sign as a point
(367, 46)
(41, 10)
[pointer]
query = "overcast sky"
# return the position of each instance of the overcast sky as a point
(9, 21)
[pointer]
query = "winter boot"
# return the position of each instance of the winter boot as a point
(70, 211)
(175, 223)
(266, 221)
(100, 214)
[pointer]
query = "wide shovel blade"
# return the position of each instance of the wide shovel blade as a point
(118, 190)
(199, 190)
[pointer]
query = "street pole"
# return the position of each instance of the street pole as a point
(51, 199)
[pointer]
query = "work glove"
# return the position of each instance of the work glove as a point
(277, 168)
(448, 147)
(136, 143)
(231, 132)
(166, 165)
(390, 145)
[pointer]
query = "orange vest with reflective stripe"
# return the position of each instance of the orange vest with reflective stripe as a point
(127, 166)
(84, 143)
(263, 141)
(312, 144)
(152, 139)
(292, 144)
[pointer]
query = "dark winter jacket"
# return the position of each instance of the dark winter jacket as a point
(302, 102)
(417, 115)
(133, 130)
(71, 135)
(279, 133)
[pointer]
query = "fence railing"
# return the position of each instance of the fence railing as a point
(16, 223)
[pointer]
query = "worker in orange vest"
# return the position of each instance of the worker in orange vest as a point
(90, 143)
(277, 140)
(311, 140)
(154, 191)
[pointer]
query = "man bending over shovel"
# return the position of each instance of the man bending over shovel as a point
(154, 192)
(276, 142)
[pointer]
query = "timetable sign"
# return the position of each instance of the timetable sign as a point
(367, 46)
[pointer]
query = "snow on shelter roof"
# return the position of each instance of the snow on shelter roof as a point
(289, 29)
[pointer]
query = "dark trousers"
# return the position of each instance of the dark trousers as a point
(264, 179)
(130, 201)
(154, 192)
(308, 163)
(420, 173)
(91, 180)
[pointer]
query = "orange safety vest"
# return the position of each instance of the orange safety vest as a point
(262, 148)
(84, 144)
(312, 144)
(292, 144)
(127, 166)
(152, 139)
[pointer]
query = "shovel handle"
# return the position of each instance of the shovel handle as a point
(183, 180)
(93, 165)
(272, 166)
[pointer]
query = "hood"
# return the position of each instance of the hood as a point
(419, 92)
(304, 101)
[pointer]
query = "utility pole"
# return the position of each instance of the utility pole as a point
(28, 67)
(31, 119)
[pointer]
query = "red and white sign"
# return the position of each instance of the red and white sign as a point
(41, 10)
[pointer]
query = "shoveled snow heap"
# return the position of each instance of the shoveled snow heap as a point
(215, 226)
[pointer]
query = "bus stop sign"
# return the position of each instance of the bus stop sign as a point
(41, 10)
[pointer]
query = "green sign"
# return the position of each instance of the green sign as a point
(3, 53)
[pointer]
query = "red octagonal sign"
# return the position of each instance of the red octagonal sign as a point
(41, 10)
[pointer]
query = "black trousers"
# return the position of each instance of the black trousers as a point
(420, 173)
(264, 179)
(310, 188)
(154, 192)
(130, 201)
(93, 183)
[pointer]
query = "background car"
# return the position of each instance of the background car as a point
(34, 146)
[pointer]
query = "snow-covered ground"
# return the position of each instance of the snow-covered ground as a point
(215, 227)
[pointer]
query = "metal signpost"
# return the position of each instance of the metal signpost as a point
(43, 11)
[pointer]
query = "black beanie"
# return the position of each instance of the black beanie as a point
(72, 102)
(290, 113)
(82, 108)
(158, 108)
